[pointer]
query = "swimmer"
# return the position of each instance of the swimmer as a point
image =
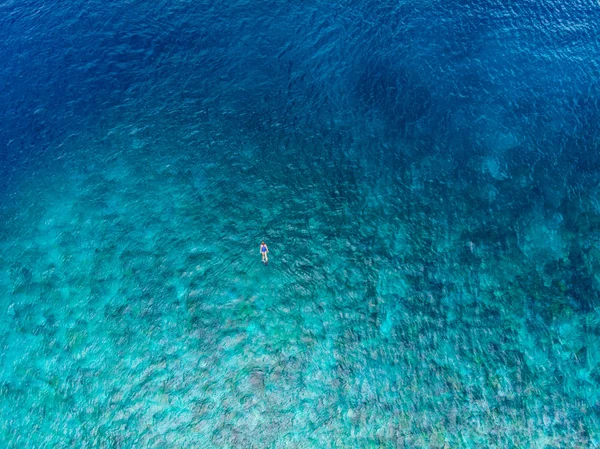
(264, 252)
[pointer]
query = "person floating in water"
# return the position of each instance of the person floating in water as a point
(264, 252)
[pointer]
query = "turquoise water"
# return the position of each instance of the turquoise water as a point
(425, 176)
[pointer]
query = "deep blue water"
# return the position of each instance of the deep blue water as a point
(427, 178)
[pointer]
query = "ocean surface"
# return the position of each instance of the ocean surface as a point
(426, 175)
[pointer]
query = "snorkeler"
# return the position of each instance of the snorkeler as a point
(264, 252)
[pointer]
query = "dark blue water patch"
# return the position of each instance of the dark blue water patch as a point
(110, 53)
